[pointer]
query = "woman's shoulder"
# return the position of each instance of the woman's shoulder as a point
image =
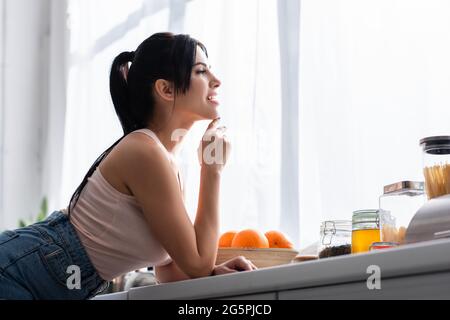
(139, 144)
(138, 138)
(133, 148)
(134, 153)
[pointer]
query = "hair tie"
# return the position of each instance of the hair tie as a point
(124, 67)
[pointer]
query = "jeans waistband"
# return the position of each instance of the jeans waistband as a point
(67, 236)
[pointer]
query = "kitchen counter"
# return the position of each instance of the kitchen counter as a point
(417, 271)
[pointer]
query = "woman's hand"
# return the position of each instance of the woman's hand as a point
(235, 264)
(214, 148)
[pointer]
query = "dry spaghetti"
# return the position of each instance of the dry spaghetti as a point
(437, 180)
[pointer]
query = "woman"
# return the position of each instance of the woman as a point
(128, 212)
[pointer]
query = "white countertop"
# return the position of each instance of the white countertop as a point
(424, 258)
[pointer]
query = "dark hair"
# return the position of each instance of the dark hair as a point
(161, 56)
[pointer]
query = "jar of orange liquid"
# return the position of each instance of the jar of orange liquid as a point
(365, 229)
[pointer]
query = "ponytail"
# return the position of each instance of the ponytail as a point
(118, 85)
(120, 96)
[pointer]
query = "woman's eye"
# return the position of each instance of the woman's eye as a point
(201, 71)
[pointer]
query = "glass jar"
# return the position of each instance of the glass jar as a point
(335, 238)
(398, 205)
(436, 165)
(365, 229)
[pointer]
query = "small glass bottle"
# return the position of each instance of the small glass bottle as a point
(335, 238)
(365, 229)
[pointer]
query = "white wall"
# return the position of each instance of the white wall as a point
(54, 120)
(2, 19)
(25, 26)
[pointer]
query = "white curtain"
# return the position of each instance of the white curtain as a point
(242, 41)
(2, 116)
(374, 79)
(95, 39)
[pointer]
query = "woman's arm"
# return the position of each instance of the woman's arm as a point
(151, 180)
(171, 272)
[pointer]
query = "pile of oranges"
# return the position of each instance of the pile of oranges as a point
(251, 238)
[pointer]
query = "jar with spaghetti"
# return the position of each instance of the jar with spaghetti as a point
(436, 165)
(365, 229)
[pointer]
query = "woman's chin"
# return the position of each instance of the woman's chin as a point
(211, 116)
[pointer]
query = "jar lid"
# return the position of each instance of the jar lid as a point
(410, 188)
(365, 216)
(436, 144)
(333, 226)
(382, 245)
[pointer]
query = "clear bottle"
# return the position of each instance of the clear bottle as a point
(365, 229)
(335, 238)
(436, 165)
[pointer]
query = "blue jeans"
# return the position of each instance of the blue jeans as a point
(46, 260)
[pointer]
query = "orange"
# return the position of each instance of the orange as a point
(226, 238)
(250, 238)
(278, 239)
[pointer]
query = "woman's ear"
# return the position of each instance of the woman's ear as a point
(164, 89)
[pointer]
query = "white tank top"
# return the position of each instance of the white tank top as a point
(113, 229)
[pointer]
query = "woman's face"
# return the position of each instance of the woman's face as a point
(200, 100)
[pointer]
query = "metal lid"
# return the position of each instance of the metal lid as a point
(410, 188)
(366, 216)
(382, 245)
(333, 226)
(436, 144)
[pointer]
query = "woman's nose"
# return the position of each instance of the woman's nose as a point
(215, 82)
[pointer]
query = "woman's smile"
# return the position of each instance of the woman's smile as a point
(213, 99)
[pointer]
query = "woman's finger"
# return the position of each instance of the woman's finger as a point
(221, 129)
(252, 265)
(241, 263)
(213, 131)
(223, 270)
(213, 123)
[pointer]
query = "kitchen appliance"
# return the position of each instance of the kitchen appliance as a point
(432, 221)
